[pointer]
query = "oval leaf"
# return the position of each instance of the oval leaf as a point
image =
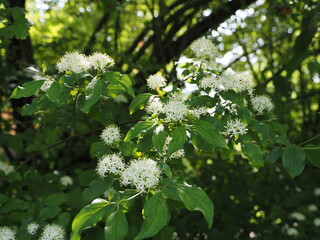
(139, 102)
(116, 227)
(27, 90)
(156, 215)
(179, 137)
(293, 160)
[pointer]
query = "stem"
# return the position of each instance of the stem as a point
(309, 139)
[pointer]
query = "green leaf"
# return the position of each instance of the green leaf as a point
(293, 160)
(139, 102)
(27, 90)
(312, 154)
(55, 199)
(253, 153)
(127, 148)
(274, 155)
(158, 139)
(179, 137)
(89, 216)
(92, 95)
(145, 143)
(49, 212)
(57, 93)
(157, 215)
(116, 227)
(196, 199)
(96, 188)
(99, 149)
(137, 129)
(210, 134)
(116, 78)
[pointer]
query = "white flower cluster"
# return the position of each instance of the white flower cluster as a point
(45, 86)
(316, 222)
(204, 48)
(53, 232)
(112, 163)
(6, 167)
(312, 208)
(298, 216)
(154, 106)
(32, 228)
(142, 174)
(111, 134)
(100, 61)
(156, 81)
(197, 112)
(229, 80)
(175, 110)
(66, 180)
(77, 63)
(7, 233)
(261, 104)
(236, 127)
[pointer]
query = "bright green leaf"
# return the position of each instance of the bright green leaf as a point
(139, 102)
(116, 227)
(27, 90)
(157, 215)
(179, 137)
(293, 160)
(92, 95)
(253, 153)
(96, 188)
(137, 129)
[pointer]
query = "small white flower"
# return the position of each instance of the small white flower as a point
(166, 144)
(66, 180)
(197, 112)
(211, 82)
(236, 127)
(45, 86)
(312, 208)
(175, 110)
(212, 65)
(32, 228)
(6, 167)
(159, 129)
(7, 233)
(73, 62)
(204, 48)
(292, 232)
(142, 174)
(154, 107)
(53, 232)
(316, 191)
(298, 216)
(111, 134)
(261, 104)
(120, 99)
(316, 222)
(156, 81)
(237, 81)
(178, 154)
(112, 163)
(100, 61)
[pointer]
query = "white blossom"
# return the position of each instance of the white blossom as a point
(7, 233)
(6, 167)
(159, 129)
(297, 216)
(312, 208)
(45, 86)
(178, 154)
(111, 134)
(53, 232)
(261, 104)
(142, 174)
(100, 61)
(316, 222)
(292, 232)
(154, 106)
(112, 163)
(73, 62)
(66, 180)
(211, 82)
(175, 110)
(212, 65)
(236, 127)
(316, 191)
(32, 228)
(156, 81)
(237, 81)
(204, 48)
(197, 112)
